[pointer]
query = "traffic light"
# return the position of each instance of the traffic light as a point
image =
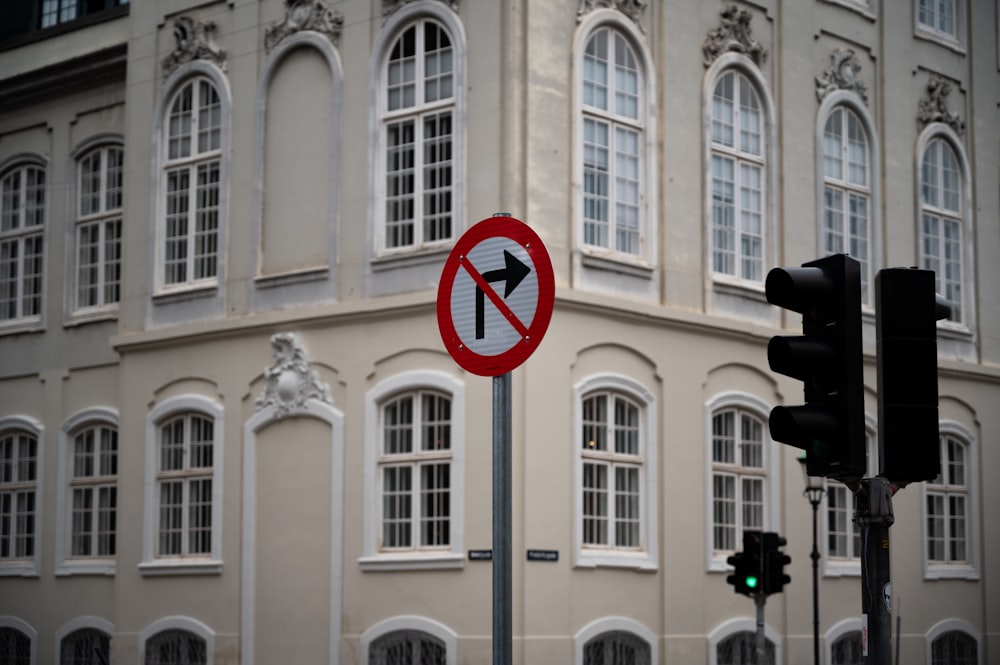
(746, 577)
(774, 562)
(830, 426)
(906, 314)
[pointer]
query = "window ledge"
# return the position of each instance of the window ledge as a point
(98, 567)
(182, 294)
(407, 258)
(412, 561)
(639, 561)
(85, 317)
(180, 567)
(619, 263)
(291, 277)
(842, 568)
(19, 569)
(738, 287)
(18, 326)
(947, 41)
(863, 8)
(940, 572)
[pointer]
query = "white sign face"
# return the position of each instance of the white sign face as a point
(494, 297)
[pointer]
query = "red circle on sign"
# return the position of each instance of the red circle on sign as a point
(501, 363)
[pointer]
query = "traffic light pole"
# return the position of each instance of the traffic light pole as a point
(874, 516)
(760, 599)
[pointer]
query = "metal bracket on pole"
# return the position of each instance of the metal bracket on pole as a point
(874, 516)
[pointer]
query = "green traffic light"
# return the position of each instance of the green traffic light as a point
(751, 582)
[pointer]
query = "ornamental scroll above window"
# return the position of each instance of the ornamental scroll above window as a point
(290, 382)
(733, 34)
(301, 15)
(195, 41)
(634, 9)
(843, 74)
(934, 106)
(391, 6)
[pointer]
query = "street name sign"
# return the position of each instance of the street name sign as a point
(495, 296)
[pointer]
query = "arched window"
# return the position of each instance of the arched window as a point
(175, 647)
(186, 464)
(739, 476)
(192, 165)
(418, 127)
(739, 179)
(741, 648)
(93, 491)
(947, 506)
(942, 223)
(613, 134)
(85, 646)
(617, 647)
(15, 646)
(407, 647)
(22, 224)
(18, 495)
(847, 196)
(846, 649)
(98, 234)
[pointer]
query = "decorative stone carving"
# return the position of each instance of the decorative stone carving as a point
(291, 382)
(934, 107)
(634, 9)
(842, 75)
(733, 34)
(389, 6)
(195, 41)
(300, 15)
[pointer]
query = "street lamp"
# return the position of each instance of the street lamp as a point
(814, 491)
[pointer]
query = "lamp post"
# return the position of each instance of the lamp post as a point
(814, 491)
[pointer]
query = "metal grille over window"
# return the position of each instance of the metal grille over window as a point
(15, 647)
(741, 648)
(954, 647)
(616, 648)
(175, 647)
(407, 647)
(846, 650)
(87, 646)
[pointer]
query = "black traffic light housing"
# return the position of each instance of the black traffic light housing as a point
(774, 562)
(827, 358)
(747, 574)
(907, 310)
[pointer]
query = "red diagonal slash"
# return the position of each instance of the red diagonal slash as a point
(497, 301)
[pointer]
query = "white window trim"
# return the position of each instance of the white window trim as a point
(411, 622)
(179, 78)
(848, 566)
(948, 625)
(865, 8)
(647, 559)
(152, 564)
(956, 42)
(35, 321)
(29, 567)
(64, 564)
(75, 315)
(852, 102)
(939, 130)
(835, 632)
(393, 28)
(178, 623)
(615, 623)
(644, 262)
(248, 597)
(8, 621)
(454, 557)
(79, 623)
(772, 511)
(728, 628)
(969, 571)
(743, 65)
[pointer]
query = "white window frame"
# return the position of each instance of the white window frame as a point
(837, 566)
(968, 569)
(411, 622)
(955, 40)
(209, 563)
(108, 218)
(66, 564)
(931, 134)
(946, 626)
(615, 624)
(727, 629)
(7, 621)
(20, 234)
(767, 161)
(849, 105)
(415, 15)
(27, 566)
(740, 403)
(81, 623)
(646, 556)
(613, 24)
(187, 624)
(453, 555)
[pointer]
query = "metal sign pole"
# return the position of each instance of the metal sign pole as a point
(874, 515)
(502, 624)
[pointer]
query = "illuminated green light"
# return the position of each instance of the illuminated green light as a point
(751, 581)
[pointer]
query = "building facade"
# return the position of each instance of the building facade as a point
(230, 431)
